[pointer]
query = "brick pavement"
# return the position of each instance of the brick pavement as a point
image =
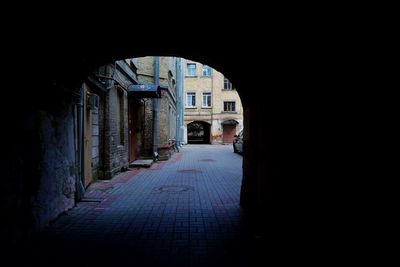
(183, 212)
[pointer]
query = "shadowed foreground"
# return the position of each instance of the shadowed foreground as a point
(183, 212)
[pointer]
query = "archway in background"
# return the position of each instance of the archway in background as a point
(198, 132)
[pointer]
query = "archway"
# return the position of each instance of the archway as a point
(198, 132)
(275, 123)
(59, 114)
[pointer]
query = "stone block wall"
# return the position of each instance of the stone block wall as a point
(116, 132)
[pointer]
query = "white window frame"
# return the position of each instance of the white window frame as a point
(204, 103)
(207, 70)
(229, 110)
(192, 72)
(228, 83)
(193, 95)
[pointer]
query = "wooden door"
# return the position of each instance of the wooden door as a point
(228, 133)
(133, 109)
(87, 142)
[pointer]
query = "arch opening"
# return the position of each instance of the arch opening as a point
(198, 132)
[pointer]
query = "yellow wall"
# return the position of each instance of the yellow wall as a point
(214, 115)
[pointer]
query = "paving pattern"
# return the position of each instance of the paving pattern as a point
(181, 212)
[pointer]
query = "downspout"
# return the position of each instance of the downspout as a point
(178, 102)
(212, 107)
(155, 109)
(181, 103)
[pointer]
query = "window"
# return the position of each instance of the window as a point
(206, 100)
(227, 84)
(206, 71)
(229, 106)
(191, 100)
(191, 70)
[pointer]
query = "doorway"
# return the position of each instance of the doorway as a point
(228, 131)
(133, 120)
(198, 132)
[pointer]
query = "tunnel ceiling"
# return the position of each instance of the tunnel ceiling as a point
(253, 61)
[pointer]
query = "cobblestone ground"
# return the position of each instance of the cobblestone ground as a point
(182, 212)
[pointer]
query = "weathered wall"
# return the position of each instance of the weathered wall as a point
(148, 129)
(37, 162)
(166, 123)
(163, 119)
(98, 137)
(116, 145)
(145, 69)
(145, 73)
(172, 121)
(57, 184)
(166, 118)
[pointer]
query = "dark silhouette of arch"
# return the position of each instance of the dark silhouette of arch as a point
(280, 120)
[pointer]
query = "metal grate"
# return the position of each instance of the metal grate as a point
(189, 171)
(91, 199)
(174, 188)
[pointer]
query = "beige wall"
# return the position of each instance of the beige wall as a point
(166, 122)
(145, 68)
(214, 115)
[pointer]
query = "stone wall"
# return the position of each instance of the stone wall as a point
(97, 133)
(38, 161)
(166, 124)
(56, 189)
(116, 132)
(166, 118)
(148, 129)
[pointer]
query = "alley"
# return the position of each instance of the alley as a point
(181, 212)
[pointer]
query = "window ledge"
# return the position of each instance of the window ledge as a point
(206, 107)
(228, 90)
(205, 76)
(234, 112)
(191, 76)
(191, 107)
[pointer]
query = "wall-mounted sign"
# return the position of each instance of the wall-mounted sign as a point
(145, 90)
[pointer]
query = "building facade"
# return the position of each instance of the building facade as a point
(213, 109)
(104, 125)
(160, 114)
(128, 111)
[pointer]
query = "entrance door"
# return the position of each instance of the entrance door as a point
(228, 133)
(87, 142)
(133, 109)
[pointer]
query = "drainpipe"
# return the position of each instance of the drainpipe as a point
(180, 102)
(155, 109)
(212, 107)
